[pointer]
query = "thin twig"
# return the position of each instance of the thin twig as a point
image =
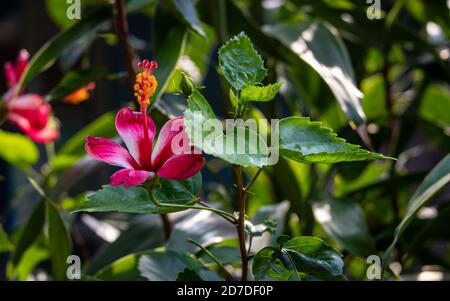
(122, 34)
(207, 252)
(225, 216)
(222, 213)
(247, 188)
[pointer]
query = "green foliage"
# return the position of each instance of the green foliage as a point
(164, 266)
(137, 199)
(73, 149)
(260, 93)
(320, 60)
(5, 244)
(30, 232)
(240, 63)
(59, 240)
(73, 81)
(308, 142)
(344, 221)
(320, 47)
(300, 258)
(25, 152)
(436, 179)
(203, 134)
(185, 10)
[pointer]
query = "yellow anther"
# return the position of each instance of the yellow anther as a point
(145, 87)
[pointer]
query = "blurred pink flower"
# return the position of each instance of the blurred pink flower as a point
(139, 162)
(29, 112)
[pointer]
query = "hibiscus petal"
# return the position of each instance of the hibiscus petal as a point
(45, 135)
(181, 167)
(21, 63)
(130, 177)
(130, 126)
(109, 151)
(10, 75)
(32, 108)
(172, 140)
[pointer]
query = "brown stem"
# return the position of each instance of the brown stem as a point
(241, 220)
(167, 226)
(121, 23)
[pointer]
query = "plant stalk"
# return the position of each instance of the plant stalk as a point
(241, 221)
(121, 24)
(167, 226)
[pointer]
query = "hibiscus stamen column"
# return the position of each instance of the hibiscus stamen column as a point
(144, 88)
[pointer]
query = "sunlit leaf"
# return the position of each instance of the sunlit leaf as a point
(185, 10)
(319, 45)
(123, 269)
(343, 221)
(134, 239)
(260, 93)
(5, 244)
(18, 150)
(308, 142)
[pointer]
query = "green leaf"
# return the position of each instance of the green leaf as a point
(233, 98)
(73, 149)
(51, 50)
(185, 10)
(56, 9)
(344, 222)
(171, 40)
(5, 244)
(308, 142)
(36, 253)
(301, 258)
(73, 81)
(54, 48)
(319, 45)
(240, 63)
(435, 106)
(209, 228)
(123, 269)
(134, 239)
(188, 275)
(206, 133)
(162, 265)
(30, 232)
(193, 184)
(137, 200)
(25, 152)
(260, 93)
(60, 242)
(436, 179)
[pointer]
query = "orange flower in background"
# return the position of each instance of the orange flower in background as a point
(79, 95)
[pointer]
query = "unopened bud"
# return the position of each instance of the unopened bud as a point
(186, 85)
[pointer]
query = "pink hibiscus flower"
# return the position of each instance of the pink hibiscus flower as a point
(29, 112)
(171, 158)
